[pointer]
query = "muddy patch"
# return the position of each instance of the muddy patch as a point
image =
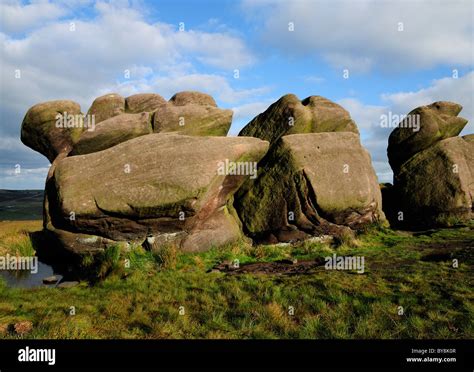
(282, 267)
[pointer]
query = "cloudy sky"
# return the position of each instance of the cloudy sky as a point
(398, 55)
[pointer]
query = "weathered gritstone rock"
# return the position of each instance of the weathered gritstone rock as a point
(433, 169)
(469, 138)
(436, 186)
(42, 131)
(113, 131)
(197, 98)
(144, 102)
(192, 113)
(171, 193)
(310, 184)
(423, 127)
(107, 106)
(289, 115)
(126, 180)
(156, 185)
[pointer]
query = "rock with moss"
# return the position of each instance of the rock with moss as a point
(53, 127)
(289, 115)
(436, 186)
(310, 184)
(469, 138)
(422, 128)
(433, 168)
(143, 102)
(191, 113)
(194, 114)
(106, 106)
(113, 131)
(193, 97)
(158, 186)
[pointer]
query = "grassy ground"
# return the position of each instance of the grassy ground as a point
(170, 295)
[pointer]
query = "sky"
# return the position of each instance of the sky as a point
(372, 57)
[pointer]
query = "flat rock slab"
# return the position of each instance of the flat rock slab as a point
(51, 279)
(68, 284)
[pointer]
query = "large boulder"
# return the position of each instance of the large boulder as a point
(143, 102)
(423, 127)
(166, 187)
(433, 168)
(192, 113)
(113, 131)
(106, 106)
(435, 187)
(308, 184)
(289, 115)
(52, 128)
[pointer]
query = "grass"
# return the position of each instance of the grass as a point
(146, 297)
(15, 239)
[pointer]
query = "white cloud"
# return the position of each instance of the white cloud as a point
(91, 60)
(25, 172)
(15, 17)
(360, 35)
(58, 63)
(244, 113)
(28, 178)
(366, 116)
(250, 110)
(216, 85)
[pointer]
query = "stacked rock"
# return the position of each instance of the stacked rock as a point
(433, 168)
(138, 168)
(145, 171)
(316, 177)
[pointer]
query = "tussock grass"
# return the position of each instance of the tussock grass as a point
(15, 239)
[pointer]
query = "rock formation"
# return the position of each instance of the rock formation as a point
(45, 130)
(145, 171)
(139, 170)
(433, 168)
(423, 127)
(163, 186)
(107, 106)
(289, 115)
(316, 177)
(113, 131)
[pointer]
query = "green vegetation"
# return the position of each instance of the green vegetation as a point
(412, 270)
(15, 239)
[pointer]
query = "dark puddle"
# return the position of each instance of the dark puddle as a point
(28, 279)
(53, 267)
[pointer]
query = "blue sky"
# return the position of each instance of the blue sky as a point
(399, 55)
